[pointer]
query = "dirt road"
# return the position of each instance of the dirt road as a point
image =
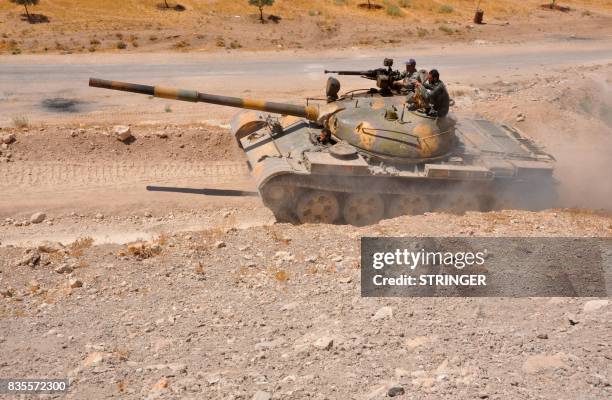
(27, 82)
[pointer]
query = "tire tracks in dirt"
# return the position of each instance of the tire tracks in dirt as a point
(32, 176)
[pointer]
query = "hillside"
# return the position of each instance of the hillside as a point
(130, 26)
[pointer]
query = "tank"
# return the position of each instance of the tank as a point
(366, 155)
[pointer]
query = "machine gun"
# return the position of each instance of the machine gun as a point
(384, 77)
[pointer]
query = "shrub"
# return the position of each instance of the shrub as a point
(394, 11)
(446, 9)
(21, 121)
(446, 29)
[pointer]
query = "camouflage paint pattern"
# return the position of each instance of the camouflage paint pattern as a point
(411, 138)
(309, 112)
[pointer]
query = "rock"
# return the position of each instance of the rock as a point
(161, 135)
(417, 342)
(34, 286)
(541, 363)
(175, 368)
(50, 247)
(63, 269)
(75, 283)
(37, 218)
(148, 214)
(122, 132)
(161, 384)
(99, 216)
(382, 313)
(542, 336)
(30, 259)
(324, 343)
(220, 244)
(8, 139)
(520, 118)
(269, 344)
(594, 305)
(261, 395)
(94, 359)
(395, 391)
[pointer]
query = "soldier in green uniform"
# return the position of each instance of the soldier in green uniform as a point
(408, 77)
(435, 93)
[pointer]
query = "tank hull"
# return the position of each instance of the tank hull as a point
(489, 166)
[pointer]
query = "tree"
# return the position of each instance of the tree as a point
(261, 4)
(25, 3)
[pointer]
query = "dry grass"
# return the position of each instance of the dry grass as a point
(77, 248)
(65, 16)
(21, 121)
(132, 25)
(143, 250)
(276, 234)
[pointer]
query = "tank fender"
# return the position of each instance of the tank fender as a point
(246, 122)
(268, 169)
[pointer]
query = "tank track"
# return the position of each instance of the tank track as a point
(448, 196)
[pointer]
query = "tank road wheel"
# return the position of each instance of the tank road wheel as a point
(414, 204)
(318, 207)
(280, 199)
(459, 203)
(363, 209)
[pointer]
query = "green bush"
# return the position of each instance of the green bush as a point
(446, 29)
(394, 11)
(446, 9)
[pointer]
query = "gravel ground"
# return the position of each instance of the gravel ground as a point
(277, 309)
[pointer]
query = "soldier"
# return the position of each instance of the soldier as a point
(408, 77)
(434, 92)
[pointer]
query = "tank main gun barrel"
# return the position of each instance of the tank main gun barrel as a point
(309, 112)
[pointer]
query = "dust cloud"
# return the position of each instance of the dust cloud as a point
(583, 148)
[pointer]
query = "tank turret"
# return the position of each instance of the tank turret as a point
(380, 126)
